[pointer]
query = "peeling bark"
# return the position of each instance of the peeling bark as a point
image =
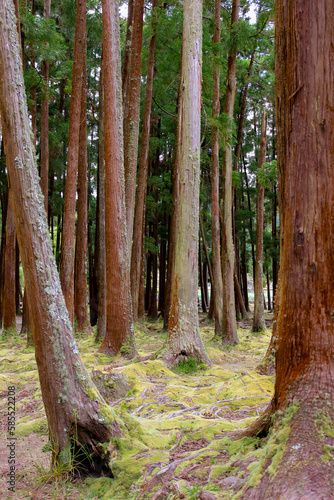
(217, 282)
(183, 329)
(80, 283)
(68, 232)
(72, 404)
(230, 335)
(132, 119)
(305, 153)
(9, 304)
(119, 329)
(142, 176)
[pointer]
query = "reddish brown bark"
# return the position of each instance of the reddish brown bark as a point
(305, 154)
(142, 175)
(8, 304)
(4, 206)
(230, 335)
(100, 252)
(132, 120)
(68, 232)
(217, 282)
(119, 329)
(45, 120)
(258, 318)
(126, 65)
(66, 386)
(80, 284)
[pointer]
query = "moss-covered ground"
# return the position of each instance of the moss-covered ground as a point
(176, 440)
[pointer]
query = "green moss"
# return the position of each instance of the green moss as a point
(25, 428)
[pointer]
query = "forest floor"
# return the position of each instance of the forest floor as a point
(179, 422)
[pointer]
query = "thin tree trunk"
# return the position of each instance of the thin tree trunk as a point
(230, 335)
(45, 120)
(119, 327)
(217, 281)
(142, 175)
(80, 284)
(4, 206)
(243, 310)
(237, 149)
(258, 318)
(132, 120)
(93, 297)
(250, 220)
(9, 304)
(67, 242)
(268, 291)
(162, 271)
(100, 254)
(126, 66)
(201, 279)
(183, 330)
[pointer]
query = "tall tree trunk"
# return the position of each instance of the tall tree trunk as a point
(9, 304)
(119, 329)
(237, 149)
(100, 252)
(304, 360)
(142, 176)
(126, 66)
(183, 330)
(250, 219)
(93, 294)
(4, 206)
(230, 335)
(259, 324)
(217, 283)
(132, 120)
(72, 404)
(67, 242)
(45, 120)
(268, 291)
(80, 284)
(162, 271)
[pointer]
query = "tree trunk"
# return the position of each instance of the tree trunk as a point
(201, 279)
(45, 120)
(4, 207)
(237, 149)
(9, 304)
(93, 292)
(142, 176)
(80, 284)
(230, 335)
(259, 324)
(162, 271)
(126, 66)
(72, 404)
(132, 120)
(119, 328)
(304, 360)
(268, 292)
(217, 282)
(243, 310)
(67, 242)
(100, 252)
(183, 330)
(250, 220)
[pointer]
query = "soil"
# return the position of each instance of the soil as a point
(179, 443)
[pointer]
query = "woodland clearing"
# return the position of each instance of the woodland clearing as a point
(179, 422)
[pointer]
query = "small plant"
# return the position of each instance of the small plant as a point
(191, 365)
(194, 491)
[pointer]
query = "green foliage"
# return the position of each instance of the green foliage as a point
(190, 365)
(267, 175)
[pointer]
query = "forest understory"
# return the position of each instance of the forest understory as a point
(180, 423)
